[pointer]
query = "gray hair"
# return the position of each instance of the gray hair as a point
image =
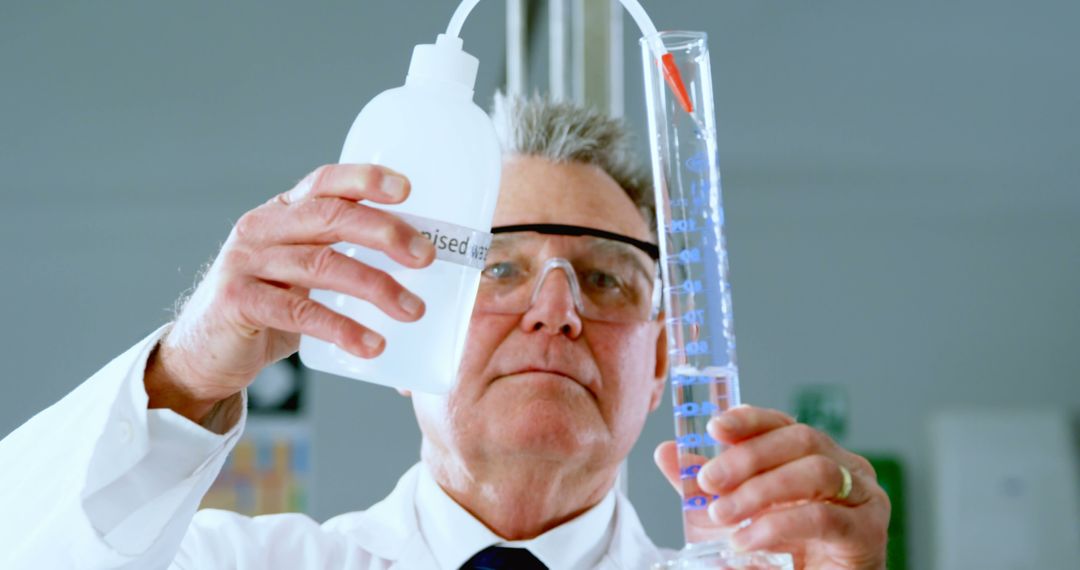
(563, 132)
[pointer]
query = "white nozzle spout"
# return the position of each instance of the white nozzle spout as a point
(459, 17)
(444, 62)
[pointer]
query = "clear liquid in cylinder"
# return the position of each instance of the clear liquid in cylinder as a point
(698, 395)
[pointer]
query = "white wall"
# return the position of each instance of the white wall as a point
(900, 181)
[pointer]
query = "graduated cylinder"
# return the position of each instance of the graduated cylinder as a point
(697, 296)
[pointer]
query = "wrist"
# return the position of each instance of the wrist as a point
(167, 386)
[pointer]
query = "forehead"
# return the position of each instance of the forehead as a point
(536, 190)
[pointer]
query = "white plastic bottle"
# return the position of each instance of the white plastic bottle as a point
(431, 131)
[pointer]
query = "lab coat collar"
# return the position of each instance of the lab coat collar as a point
(389, 526)
(390, 530)
(631, 548)
(455, 535)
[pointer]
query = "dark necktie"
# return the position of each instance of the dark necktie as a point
(500, 558)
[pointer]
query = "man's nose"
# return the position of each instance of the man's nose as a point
(553, 310)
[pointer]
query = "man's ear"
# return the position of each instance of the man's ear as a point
(404, 392)
(660, 373)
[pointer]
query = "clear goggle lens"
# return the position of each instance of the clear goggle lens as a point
(609, 279)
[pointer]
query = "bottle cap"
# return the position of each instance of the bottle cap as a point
(444, 61)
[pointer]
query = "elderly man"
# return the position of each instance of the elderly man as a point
(518, 460)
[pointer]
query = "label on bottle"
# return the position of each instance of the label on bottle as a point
(453, 243)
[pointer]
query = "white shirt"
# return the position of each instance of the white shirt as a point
(99, 481)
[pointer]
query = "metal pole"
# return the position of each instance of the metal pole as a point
(577, 51)
(516, 70)
(616, 77)
(558, 37)
(597, 80)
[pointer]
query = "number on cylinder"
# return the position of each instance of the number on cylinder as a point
(691, 286)
(695, 440)
(691, 409)
(696, 348)
(698, 502)
(683, 226)
(694, 317)
(690, 472)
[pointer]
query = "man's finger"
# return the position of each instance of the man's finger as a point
(331, 220)
(766, 451)
(826, 522)
(264, 305)
(744, 422)
(810, 478)
(349, 181)
(681, 472)
(666, 457)
(321, 267)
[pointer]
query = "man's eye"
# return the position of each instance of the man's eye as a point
(602, 280)
(502, 270)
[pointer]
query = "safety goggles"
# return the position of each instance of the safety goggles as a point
(611, 277)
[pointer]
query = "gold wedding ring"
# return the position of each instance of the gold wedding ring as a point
(845, 488)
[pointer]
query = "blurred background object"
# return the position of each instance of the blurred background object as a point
(269, 471)
(900, 181)
(1006, 490)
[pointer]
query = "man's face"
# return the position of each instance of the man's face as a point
(549, 384)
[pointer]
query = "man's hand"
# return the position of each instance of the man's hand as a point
(786, 477)
(252, 305)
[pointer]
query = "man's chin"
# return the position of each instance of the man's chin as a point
(541, 412)
(547, 429)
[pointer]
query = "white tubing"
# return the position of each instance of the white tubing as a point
(645, 24)
(458, 20)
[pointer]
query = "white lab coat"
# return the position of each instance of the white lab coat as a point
(84, 485)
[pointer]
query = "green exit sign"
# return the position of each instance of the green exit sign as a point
(823, 406)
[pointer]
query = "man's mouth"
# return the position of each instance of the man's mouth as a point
(531, 370)
(552, 374)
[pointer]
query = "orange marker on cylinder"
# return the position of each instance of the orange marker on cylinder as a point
(675, 82)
